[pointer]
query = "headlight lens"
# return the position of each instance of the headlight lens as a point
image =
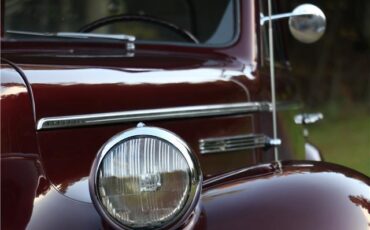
(145, 177)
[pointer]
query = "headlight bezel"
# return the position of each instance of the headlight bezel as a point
(195, 173)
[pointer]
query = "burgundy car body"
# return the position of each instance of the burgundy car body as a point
(44, 171)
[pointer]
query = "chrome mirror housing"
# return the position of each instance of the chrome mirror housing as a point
(307, 22)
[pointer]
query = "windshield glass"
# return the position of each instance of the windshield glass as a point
(206, 22)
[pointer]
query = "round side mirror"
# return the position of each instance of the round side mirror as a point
(308, 23)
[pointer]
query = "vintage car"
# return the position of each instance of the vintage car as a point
(169, 114)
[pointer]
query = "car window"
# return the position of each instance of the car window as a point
(210, 22)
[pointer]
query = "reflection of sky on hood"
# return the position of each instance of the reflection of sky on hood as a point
(78, 190)
(107, 76)
(310, 180)
(11, 90)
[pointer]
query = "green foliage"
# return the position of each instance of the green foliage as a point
(344, 137)
(334, 78)
(293, 132)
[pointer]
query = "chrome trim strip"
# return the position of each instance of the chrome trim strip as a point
(151, 114)
(233, 143)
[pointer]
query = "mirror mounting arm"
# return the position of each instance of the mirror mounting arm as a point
(275, 17)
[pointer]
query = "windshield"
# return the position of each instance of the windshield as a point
(205, 22)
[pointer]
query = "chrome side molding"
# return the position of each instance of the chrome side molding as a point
(236, 143)
(152, 114)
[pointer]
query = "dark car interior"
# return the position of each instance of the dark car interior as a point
(188, 21)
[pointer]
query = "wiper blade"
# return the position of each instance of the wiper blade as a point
(92, 35)
(129, 39)
(75, 35)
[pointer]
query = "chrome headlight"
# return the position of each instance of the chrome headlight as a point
(145, 177)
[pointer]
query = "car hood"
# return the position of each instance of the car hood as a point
(68, 153)
(61, 91)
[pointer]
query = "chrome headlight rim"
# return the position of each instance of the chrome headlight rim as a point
(195, 173)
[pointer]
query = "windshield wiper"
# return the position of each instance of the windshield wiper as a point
(129, 39)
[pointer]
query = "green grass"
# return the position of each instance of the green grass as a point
(344, 137)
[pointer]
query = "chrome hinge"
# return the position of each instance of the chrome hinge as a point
(308, 118)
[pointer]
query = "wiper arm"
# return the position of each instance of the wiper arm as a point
(92, 35)
(130, 45)
(129, 39)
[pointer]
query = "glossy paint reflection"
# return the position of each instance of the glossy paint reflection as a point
(301, 196)
(28, 201)
(68, 154)
(9, 90)
(22, 180)
(53, 210)
(96, 76)
(78, 190)
(21, 171)
(70, 91)
(17, 118)
(66, 90)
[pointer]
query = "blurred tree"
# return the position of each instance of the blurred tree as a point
(335, 70)
(334, 78)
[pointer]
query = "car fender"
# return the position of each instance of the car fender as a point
(20, 168)
(295, 195)
(18, 132)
